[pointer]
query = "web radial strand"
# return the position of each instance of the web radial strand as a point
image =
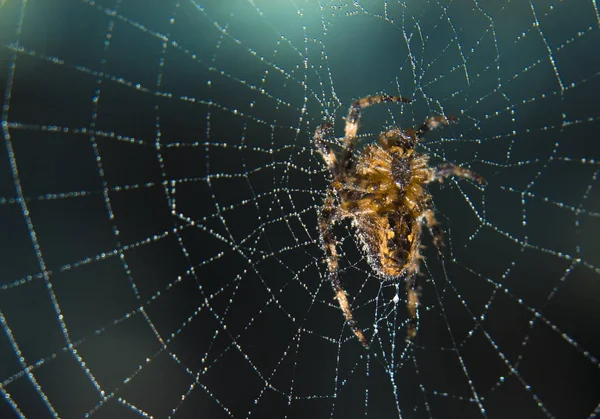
(160, 190)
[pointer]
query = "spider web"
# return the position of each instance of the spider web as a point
(159, 192)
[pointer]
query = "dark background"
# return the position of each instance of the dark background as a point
(159, 194)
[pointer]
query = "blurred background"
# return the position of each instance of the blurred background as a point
(159, 191)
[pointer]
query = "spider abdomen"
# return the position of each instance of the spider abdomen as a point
(389, 213)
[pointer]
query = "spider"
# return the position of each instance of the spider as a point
(383, 191)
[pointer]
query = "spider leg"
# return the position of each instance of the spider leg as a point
(324, 149)
(362, 103)
(352, 123)
(412, 303)
(412, 292)
(448, 169)
(326, 219)
(433, 123)
(436, 232)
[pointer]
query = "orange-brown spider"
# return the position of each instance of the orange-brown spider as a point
(383, 190)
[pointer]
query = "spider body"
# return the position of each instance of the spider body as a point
(383, 190)
(389, 180)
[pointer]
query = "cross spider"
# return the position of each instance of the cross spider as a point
(383, 190)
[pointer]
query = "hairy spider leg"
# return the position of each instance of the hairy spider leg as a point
(433, 123)
(326, 219)
(448, 169)
(412, 304)
(437, 234)
(324, 149)
(443, 171)
(412, 292)
(352, 122)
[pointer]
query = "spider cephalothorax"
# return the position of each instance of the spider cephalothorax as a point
(383, 190)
